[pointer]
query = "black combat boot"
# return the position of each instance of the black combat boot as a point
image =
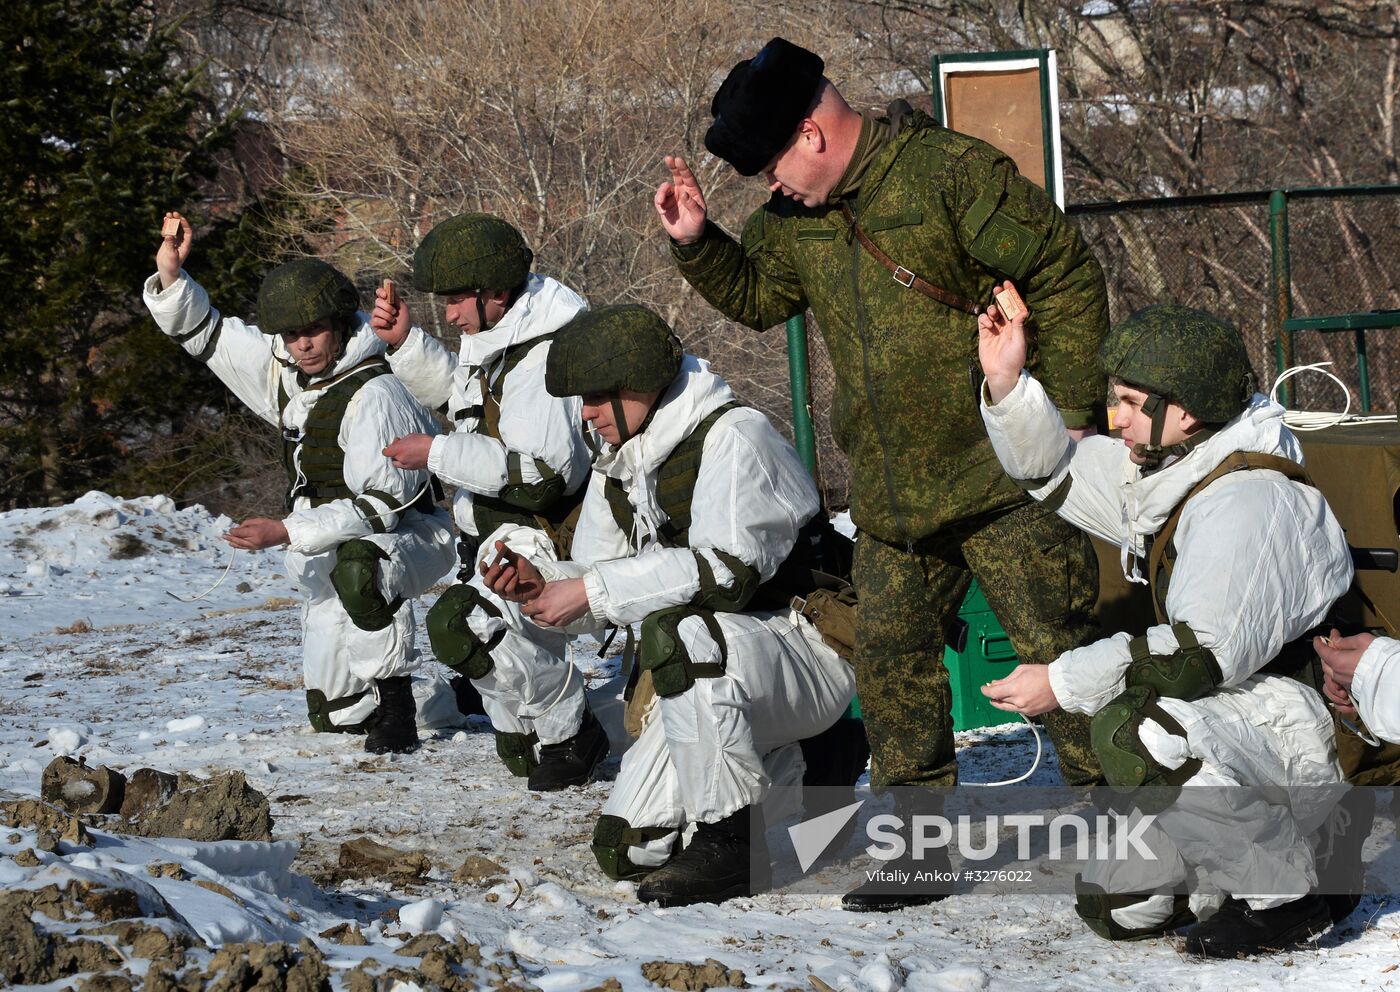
(906, 881)
(902, 884)
(571, 762)
(394, 723)
(1236, 930)
(723, 860)
(468, 698)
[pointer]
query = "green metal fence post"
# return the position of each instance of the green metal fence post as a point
(1363, 373)
(1283, 288)
(803, 437)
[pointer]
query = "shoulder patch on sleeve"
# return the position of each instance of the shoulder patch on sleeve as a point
(1006, 246)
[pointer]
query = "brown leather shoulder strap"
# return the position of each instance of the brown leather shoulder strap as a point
(906, 277)
(1162, 557)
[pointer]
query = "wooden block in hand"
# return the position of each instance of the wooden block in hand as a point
(1010, 302)
(171, 228)
(390, 296)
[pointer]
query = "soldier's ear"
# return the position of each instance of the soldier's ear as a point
(811, 132)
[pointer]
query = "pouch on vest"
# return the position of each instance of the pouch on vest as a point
(663, 652)
(833, 613)
(355, 578)
(635, 712)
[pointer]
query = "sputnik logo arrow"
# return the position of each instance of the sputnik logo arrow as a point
(811, 837)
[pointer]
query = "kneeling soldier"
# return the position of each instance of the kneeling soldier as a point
(363, 538)
(694, 503)
(518, 461)
(1244, 558)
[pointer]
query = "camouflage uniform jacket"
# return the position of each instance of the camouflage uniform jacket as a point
(955, 211)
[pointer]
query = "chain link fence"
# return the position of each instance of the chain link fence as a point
(1216, 253)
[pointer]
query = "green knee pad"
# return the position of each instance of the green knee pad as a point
(451, 636)
(319, 710)
(1095, 907)
(517, 751)
(355, 578)
(663, 653)
(612, 836)
(1127, 763)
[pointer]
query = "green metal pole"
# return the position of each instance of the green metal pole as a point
(803, 436)
(1283, 288)
(1363, 372)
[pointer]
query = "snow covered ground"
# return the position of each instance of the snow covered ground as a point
(99, 659)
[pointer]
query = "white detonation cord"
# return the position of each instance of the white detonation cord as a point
(1309, 420)
(1039, 750)
(231, 557)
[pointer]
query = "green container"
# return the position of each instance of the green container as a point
(984, 654)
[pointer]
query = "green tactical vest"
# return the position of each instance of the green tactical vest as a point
(675, 486)
(555, 513)
(817, 549)
(1295, 659)
(321, 478)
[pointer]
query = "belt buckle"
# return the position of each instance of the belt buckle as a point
(908, 279)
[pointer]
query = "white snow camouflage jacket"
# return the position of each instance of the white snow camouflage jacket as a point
(253, 365)
(533, 425)
(1260, 559)
(752, 496)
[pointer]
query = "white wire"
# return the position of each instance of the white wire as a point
(1039, 750)
(192, 599)
(1314, 420)
(229, 566)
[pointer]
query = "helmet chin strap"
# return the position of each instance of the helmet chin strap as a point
(620, 420)
(1152, 453)
(481, 312)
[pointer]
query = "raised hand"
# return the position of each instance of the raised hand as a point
(680, 203)
(391, 321)
(1001, 348)
(174, 249)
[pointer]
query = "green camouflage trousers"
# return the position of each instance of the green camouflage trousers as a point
(1040, 577)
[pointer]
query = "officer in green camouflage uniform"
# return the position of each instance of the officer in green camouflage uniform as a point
(932, 504)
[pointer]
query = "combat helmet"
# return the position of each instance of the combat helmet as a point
(604, 351)
(471, 251)
(298, 293)
(1179, 355)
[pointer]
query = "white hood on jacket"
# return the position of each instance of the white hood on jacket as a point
(695, 393)
(544, 307)
(1148, 499)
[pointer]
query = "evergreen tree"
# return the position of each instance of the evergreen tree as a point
(102, 136)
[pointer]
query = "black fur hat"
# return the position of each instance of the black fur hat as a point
(760, 103)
